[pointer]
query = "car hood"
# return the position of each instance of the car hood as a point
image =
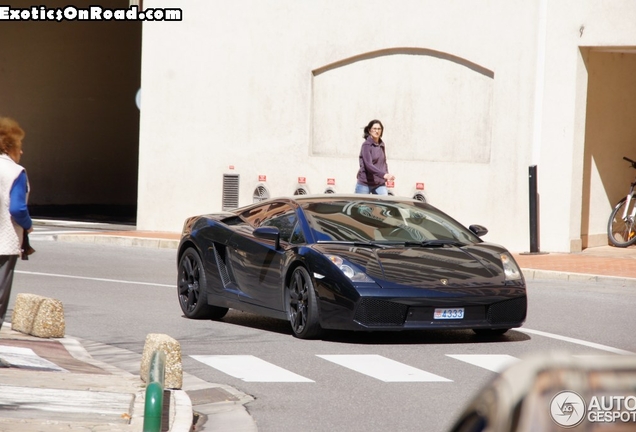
(426, 267)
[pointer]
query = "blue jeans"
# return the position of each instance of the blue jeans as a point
(378, 190)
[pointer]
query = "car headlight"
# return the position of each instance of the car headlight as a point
(511, 271)
(350, 270)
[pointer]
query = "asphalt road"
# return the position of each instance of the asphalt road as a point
(344, 382)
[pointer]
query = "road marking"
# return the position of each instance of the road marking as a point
(575, 341)
(382, 368)
(26, 358)
(249, 368)
(93, 279)
(492, 362)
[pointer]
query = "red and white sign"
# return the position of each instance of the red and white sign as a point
(390, 184)
(231, 167)
(302, 180)
(262, 178)
(331, 181)
(419, 186)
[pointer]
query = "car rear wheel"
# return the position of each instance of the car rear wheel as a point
(301, 305)
(191, 289)
(490, 332)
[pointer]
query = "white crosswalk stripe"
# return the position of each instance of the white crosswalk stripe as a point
(492, 362)
(253, 369)
(384, 369)
(249, 368)
(26, 358)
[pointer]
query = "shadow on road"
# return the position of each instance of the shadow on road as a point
(405, 337)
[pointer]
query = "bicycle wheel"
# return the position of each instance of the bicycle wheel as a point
(621, 232)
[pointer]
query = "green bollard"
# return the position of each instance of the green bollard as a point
(153, 408)
(154, 393)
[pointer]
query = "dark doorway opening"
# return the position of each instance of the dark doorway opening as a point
(72, 86)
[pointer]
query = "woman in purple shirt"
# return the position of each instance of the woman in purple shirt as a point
(374, 171)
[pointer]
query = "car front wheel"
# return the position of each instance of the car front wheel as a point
(302, 308)
(191, 289)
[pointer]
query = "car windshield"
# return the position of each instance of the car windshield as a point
(384, 222)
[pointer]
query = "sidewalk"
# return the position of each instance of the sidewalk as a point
(605, 264)
(54, 385)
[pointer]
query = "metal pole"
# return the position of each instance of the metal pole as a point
(153, 408)
(534, 218)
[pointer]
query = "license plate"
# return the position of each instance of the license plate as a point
(454, 313)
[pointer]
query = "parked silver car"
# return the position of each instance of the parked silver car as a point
(556, 392)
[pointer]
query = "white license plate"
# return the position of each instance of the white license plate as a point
(452, 313)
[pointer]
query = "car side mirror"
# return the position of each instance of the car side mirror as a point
(268, 233)
(478, 230)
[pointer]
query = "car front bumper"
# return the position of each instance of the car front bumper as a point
(379, 309)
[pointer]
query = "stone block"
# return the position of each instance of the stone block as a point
(173, 378)
(38, 316)
(49, 321)
(24, 312)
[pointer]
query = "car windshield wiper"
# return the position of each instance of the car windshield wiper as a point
(354, 243)
(435, 243)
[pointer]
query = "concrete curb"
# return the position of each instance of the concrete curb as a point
(181, 412)
(79, 225)
(531, 274)
(118, 240)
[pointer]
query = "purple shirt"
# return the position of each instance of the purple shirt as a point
(373, 164)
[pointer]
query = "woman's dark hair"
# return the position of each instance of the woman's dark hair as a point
(368, 127)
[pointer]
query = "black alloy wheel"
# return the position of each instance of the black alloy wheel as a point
(191, 289)
(302, 307)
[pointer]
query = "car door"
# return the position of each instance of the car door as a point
(258, 263)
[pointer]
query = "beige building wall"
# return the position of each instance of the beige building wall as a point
(471, 94)
(572, 27)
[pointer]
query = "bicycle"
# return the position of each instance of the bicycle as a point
(621, 228)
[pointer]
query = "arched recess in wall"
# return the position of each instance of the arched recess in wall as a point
(435, 106)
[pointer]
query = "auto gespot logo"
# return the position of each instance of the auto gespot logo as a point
(568, 409)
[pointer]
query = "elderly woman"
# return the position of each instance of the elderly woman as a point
(14, 214)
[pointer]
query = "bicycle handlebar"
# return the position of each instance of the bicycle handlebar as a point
(630, 161)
